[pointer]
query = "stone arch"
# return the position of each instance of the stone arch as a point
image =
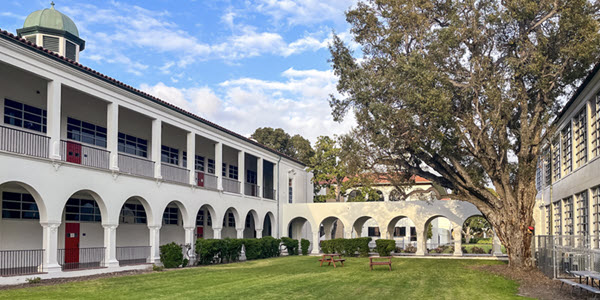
(466, 234)
(39, 201)
(442, 232)
(405, 236)
(296, 226)
(268, 224)
(357, 227)
(250, 229)
(147, 208)
(104, 212)
(229, 230)
(205, 221)
(381, 195)
(173, 232)
(331, 227)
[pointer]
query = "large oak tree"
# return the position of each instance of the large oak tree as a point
(461, 92)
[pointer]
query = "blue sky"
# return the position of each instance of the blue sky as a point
(241, 64)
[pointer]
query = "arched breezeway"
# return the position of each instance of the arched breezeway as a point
(133, 234)
(251, 224)
(268, 225)
(404, 231)
(232, 224)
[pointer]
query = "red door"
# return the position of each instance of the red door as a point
(71, 242)
(200, 232)
(74, 152)
(200, 179)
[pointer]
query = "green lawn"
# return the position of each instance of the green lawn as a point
(293, 277)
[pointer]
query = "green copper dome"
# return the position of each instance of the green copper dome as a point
(52, 19)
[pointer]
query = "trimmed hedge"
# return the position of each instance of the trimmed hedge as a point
(291, 245)
(385, 247)
(209, 251)
(347, 247)
(171, 255)
(304, 244)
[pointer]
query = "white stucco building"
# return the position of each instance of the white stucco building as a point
(95, 173)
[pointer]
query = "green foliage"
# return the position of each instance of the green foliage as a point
(347, 247)
(385, 247)
(484, 241)
(304, 245)
(429, 230)
(295, 146)
(450, 89)
(320, 198)
(210, 251)
(33, 280)
(157, 268)
(291, 245)
(171, 255)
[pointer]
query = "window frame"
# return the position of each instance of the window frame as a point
(28, 209)
(169, 155)
(127, 143)
(25, 110)
(86, 131)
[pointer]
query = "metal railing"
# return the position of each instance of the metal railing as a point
(174, 173)
(136, 165)
(133, 255)
(84, 155)
(251, 189)
(210, 180)
(230, 185)
(556, 256)
(21, 262)
(81, 258)
(269, 193)
(23, 142)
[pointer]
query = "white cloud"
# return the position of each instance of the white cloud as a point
(298, 103)
(305, 12)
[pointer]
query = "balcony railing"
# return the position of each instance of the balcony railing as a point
(133, 255)
(269, 193)
(206, 180)
(81, 258)
(231, 185)
(84, 155)
(21, 262)
(251, 189)
(23, 142)
(136, 165)
(175, 173)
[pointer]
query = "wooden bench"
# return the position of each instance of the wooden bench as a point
(387, 261)
(330, 258)
(340, 260)
(575, 285)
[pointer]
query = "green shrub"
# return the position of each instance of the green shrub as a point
(157, 268)
(485, 241)
(385, 247)
(270, 246)
(291, 245)
(208, 251)
(171, 255)
(347, 247)
(254, 248)
(33, 280)
(304, 244)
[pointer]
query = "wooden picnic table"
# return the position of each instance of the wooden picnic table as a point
(330, 258)
(587, 275)
(374, 261)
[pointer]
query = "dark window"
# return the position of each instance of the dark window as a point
(399, 231)
(132, 213)
(210, 166)
(199, 163)
(229, 221)
(86, 132)
(169, 155)
(70, 51)
(224, 170)
(290, 190)
(373, 231)
(170, 216)
(233, 172)
(184, 158)
(200, 218)
(132, 145)
(83, 210)
(19, 206)
(24, 116)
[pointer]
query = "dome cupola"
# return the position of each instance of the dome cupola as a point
(54, 31)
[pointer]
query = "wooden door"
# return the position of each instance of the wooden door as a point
(200, 232)
(200, 179)
(74, 152)
(71, 242)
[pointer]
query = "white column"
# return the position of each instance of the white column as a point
(259, 233)
(421, 241)
(240, 233)
(50, 246)
(217, 233)
(275, 182)
(191, 157)
(457, 236)
(315, 244)
(110, 244)
(53, 106)
(154, 243)
(242, 171)
(156, 146)
(259, 176)
(112, 134)
(189, 239)
(496, 246)
(218, 166)
(348, 232)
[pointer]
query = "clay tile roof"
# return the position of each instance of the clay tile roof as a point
(77, 66)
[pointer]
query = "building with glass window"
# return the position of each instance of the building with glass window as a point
(95, 173)
(568, 172)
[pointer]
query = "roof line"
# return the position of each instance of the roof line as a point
(579, 90)
(77, 66)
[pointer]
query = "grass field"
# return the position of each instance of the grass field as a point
(293, 278)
